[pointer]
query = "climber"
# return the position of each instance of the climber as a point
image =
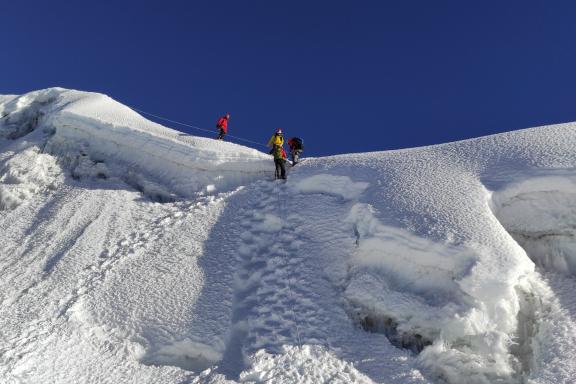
(276, 139)
(277, 142)
(279, 161)
(222, 125)
(296, 145)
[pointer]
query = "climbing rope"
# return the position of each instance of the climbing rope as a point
(282, 208)
(195, 127)
(281, 204)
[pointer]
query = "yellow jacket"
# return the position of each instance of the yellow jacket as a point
(276, 140)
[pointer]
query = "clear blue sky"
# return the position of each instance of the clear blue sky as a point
(347, 76)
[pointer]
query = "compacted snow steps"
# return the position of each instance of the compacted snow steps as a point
(134, 253)
(284, 297)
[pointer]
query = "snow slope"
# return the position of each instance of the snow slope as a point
(135, 253)
(89, 132)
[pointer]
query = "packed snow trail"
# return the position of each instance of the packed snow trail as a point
(284, 295)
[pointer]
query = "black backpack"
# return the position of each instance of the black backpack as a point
(299, 143)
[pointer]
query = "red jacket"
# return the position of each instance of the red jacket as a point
(223, 124)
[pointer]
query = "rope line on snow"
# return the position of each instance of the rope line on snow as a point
(195, 127)
(281, 204)
(282, 209)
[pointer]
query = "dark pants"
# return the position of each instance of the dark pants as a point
(280, 169)
(295, 156)
(221, 135)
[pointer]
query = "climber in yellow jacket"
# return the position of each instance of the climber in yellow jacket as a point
(277, 139)
(277, 142)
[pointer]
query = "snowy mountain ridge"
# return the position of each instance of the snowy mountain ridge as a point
(136, 253)
(94, 125)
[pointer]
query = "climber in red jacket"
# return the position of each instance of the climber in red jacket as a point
(222, 125)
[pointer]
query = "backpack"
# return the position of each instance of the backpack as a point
(298, 143)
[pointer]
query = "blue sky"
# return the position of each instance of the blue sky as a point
(347, 76)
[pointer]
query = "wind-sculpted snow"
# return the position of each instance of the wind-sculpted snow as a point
(538, 209)
(134, 253)
(97, 136)
(25, 174)
(341, 186)
(540, 213)
(434, 263)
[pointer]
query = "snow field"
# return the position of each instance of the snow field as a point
(139, 313)
(409, 288)
(134, 253)
(434, 264)
(57, 270)
(152, 297)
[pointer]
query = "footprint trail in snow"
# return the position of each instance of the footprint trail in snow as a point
(284, 295)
